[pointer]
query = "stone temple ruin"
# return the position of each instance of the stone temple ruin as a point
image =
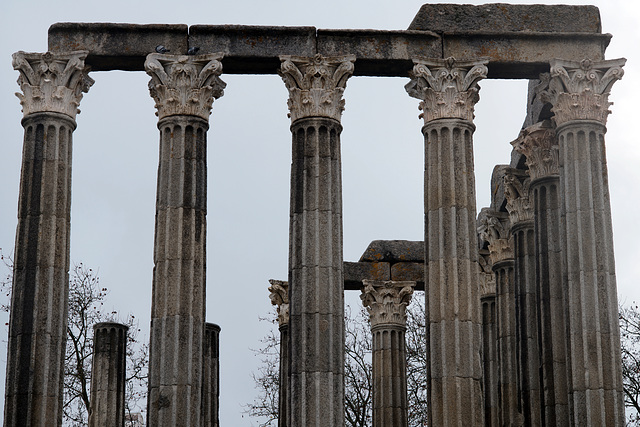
(521, 298)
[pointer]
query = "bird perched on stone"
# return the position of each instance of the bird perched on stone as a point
(161, 49)
(193, 50)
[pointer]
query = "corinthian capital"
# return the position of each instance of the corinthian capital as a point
(387, 301)
(279, 296)
(52, 82)
(316, 84)
(539, 145)
(580, 90)
(185, 84)
(448, 89)
(516, 191)
(493, 228)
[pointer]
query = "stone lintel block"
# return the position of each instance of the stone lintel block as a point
(502, 17)
(409, 271)
(523, 55)
(394, 251)
(356, 272)
(380, 52)
(117, 46)
(250, 49)
(498, 199)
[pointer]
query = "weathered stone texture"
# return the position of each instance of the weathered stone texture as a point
(393, 251)
(211, 376)
(108, 374)
(502, 17)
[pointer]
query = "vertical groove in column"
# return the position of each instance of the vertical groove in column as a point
(454, 321)
(211, 376)
(178, 309)
(490, 362)
(108, 375)
(37, 333)
(316, 327)
(594, 341)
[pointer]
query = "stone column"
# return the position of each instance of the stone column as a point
(108, 374)
(52, 85)
(316, 291)
(489, 338)
(538, 143)
(580, 98)
(279, 295)
(448, 91)
(495, 229)
(516, 191)
(211, 376)
(386, 302)
(183, 88)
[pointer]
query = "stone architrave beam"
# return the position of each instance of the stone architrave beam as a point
(519, 41)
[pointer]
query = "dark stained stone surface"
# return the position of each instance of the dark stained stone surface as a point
(501, 17)
(393, 251)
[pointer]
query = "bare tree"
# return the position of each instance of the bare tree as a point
(358, 371)
(630, 340)
(86, 308)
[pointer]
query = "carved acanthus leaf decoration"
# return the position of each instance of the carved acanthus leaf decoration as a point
(539, 145)
(447, 89)
(387, 301)
(52, 82)
(316, 84)
(580, 90)
(516, 191)
(493, 228)
(485, 274)
(279, 296)
(185, 84)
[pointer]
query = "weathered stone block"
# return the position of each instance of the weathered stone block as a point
(356, 272)
(253, 49)
(117, 46)
(394, 251)
(500, 17)
(409, 271)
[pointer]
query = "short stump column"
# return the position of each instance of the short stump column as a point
(211, 376)
(386, 302)
(108, 374)
(279, 295)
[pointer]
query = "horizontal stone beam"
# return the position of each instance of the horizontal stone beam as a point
(356, 272)
(256, 49)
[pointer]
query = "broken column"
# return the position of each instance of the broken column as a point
(538, 143)
(108, 374)
(211, 376)
(316, 311)
(279, 295)
(386, 302)
(516, 191)
(580, 97)
(52, 85)
(184, 88)
(448, 90)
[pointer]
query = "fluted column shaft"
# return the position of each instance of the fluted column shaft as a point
(108, 374)
(516, 190)
(489, 337)
(52, 86)
(183, 88)
(581, 107)
(448, 91)
(211, 376)
(538, 143)
(279, 295)
(316, 287)
(386, 302)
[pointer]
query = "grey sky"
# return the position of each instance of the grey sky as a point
(116, 153)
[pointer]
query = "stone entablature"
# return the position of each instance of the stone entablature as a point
(540, 146)
(387, 301)
(316, 85)
(448, 89)
(279, 296)
(185, 84)
(52, 82)
(580, 90)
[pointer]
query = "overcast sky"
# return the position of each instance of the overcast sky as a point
(115, 160)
